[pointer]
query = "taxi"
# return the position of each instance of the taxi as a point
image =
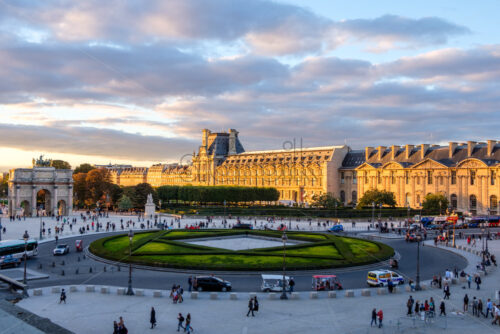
(382, 277)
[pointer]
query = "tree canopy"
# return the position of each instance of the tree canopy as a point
(83, 168)
(125, 203)
(60, 164)
(435, 203)
(327, 201)
(378, 197)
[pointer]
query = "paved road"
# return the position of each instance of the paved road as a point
(433, 261)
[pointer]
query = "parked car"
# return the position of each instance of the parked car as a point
(243, 226)
(382, 277)
(9, 261)
(336, 228)
(212, 283)
(61, 249)
(273, 283)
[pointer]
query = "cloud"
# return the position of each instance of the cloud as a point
(92, 141)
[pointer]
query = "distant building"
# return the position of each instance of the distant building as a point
(467, 174)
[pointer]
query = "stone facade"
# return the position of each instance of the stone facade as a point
(26, 184)
(468, 174)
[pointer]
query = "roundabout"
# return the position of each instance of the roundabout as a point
(237, 250)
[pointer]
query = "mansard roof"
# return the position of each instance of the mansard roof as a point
(439, 154)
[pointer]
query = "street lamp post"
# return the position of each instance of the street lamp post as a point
(373, 212)
(417, 286)
(440, 208)
(283, 294)
(335, 210)
(488, 231)
(130, 292)
(40, 227)
(380, 217)
(408, 213)
(25, 237)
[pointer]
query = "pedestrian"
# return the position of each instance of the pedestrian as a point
(474, 306)
(63, 297)
(489, 308)
(121, 327)
(497, 315)
(477, 280)
(409, 305)
(440, 281)
(417, 307)
(442, 309)
(291, 284)
(180, 320)
(390, 286)
(374, 317)
(188, 324)
(466, 303)
(152, 318)
(447, 291)
(380, 316)
(480, 308)
(115, 327)
(190, 283)
(250, 307)
(469, 280)
(255, 304)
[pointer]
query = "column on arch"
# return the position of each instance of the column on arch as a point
(33, 201)
(54, 201)
(70, 200)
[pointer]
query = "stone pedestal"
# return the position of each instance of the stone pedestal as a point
(149, 211)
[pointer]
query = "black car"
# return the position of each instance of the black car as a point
(212, 283)
(243, 226)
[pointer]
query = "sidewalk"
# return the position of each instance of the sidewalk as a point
(89, 312)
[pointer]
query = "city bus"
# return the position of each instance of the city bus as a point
(16, 248)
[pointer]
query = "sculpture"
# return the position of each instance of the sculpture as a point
(150, 199)
(41, 162)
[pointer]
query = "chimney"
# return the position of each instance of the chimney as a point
(470, 147)
(368, 152)
(491, 147)
(381, 151)
(204, 139)
(408, 149)
(394, 151)
(451, 149)
(423, 150)
(233, 135)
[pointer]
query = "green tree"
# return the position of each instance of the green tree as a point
(327, 201)
(378, 197)
(98, 184)
(4, 186)
(125, 203)
(80, 189)
(435, 203)
(83, 168)
(60, 164)
(115, 192)
(141, 192)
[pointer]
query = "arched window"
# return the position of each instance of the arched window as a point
(342, 197)
(354, 197)
(408, 199)
(418, 199)
(472, 201)
(453, 201)
(493, 202)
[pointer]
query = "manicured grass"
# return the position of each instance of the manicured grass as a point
(163, 249)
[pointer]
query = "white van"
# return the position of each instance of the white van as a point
(273, 283)
(381, 277)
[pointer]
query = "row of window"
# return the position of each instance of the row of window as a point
(272, 181)
(493, 205)
(429, 178)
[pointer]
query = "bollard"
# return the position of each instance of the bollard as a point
(104, 269)
(139, 292)
(272, 295)
(349, 293)
(213, 295)
(76, 271)
(104, 290)
(252, 294)
(37, 292)
(84, 257)
(89, 288)
(366, 293)
(233, 296)
(407, 288)
(39, 266)
(78, 259)
(90, 270)
(295, 295)
(120, 291)
(194, 295)
(157, 294)
(119, 268)
(56, 289)
(381, 291)
(73, 288)
(53, 264)
(62, 263)
(332, 294)
(313, 295)
(62, 273)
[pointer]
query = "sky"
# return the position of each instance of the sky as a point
(135, 82)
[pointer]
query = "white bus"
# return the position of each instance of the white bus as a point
(16, 248)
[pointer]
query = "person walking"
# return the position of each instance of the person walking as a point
(489, 308)
(480, 308)
(466, 303)
(190, 283)
(291, 284)
(188, 328)
(255, 304)
(180, 321)
(250, 307)
(469, 280)
(115, 327)
(442, 309)
(152, 318)
(474, 306)
(477, 280)
(374, 318)
(380, 315)
(417, 307)
(409, 305)
(446, 291)
(63, 297)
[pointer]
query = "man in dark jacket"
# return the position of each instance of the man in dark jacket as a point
(152, 319)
